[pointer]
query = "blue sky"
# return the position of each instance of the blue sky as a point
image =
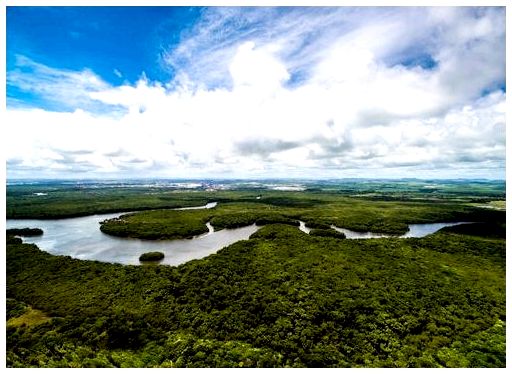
(119, 44)
(256, 92)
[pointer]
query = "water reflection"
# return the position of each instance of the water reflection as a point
(81, 238)
(415, 230)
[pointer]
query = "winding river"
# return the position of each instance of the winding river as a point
(415, 230)
(81, 238)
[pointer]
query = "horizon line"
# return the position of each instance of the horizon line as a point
(249, 179)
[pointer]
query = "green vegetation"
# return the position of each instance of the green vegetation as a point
(25, 232)
(179, 224)
(497, 204)
(158, 224)
(73, 201)
(151, 256)
(280, 299)
(13, 240)
(31, 317)
(14, 308)
(78, 199)
(317, 225)
(485, 229)
(354, 214)
(327, 233)
(415, 189)
(237, 215)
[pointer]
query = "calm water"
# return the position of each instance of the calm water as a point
(81, 238)
(415, 230)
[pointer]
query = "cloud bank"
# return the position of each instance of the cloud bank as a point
(281, 92)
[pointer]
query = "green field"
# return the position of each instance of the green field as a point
(280, 299)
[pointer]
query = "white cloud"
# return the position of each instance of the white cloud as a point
(257, 69)
(61, 89)
(356, 111)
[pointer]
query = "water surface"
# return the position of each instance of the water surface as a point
(418, 230)
(81, 238)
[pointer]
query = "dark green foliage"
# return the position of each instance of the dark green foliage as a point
(342, 203)
(172, 224)
(267, 220)
(151, 256)
(295, 200)
(483, 349)
(357, 215)
(55, 344)
(14, 308)
(65, 201)
(277, 231)
(13, 240)
(484, 229)
(25, 232)
(233, 220)
(155, 225)
(330, 233)
(317, 225)
(491, 248)
(282, 298)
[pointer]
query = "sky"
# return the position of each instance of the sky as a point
(255, 92)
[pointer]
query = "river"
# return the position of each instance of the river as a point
(418, 230)
(81, 238)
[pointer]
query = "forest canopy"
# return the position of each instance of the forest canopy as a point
(282, 298)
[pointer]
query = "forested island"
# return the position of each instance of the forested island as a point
(282, 298)
(151, 256)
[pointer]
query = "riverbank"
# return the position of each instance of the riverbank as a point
(130, 235)
(281, 298)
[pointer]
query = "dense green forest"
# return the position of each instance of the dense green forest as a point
(151, 256)
(25, 232)
(355, 214)
(72, 198)
(280, 299)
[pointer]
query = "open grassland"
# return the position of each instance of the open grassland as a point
(496, 204)
(30, 318)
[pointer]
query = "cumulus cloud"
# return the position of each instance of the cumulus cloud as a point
(317, 92)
